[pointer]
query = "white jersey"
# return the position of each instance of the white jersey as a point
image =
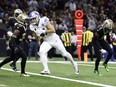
(42, 25)
(50, 39)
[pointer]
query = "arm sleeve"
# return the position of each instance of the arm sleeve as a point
(96, 42)
(14, 37)
(13, 42)
(108, 39)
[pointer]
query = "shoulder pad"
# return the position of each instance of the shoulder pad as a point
(43, 21)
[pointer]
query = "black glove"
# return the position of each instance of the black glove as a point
(42, 35)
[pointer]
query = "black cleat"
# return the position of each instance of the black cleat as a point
(97, 73)
(13, 67)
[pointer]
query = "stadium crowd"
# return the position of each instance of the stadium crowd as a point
(61, 12)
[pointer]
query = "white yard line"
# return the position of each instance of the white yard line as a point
(1, 85)
(79, 63)
(93, 65)
(67, 62)
(67, 79)
(82, 62)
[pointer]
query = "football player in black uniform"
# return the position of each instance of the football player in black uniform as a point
(11, 25)
(100, 44)
(14, 44)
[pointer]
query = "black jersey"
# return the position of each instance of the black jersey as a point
(100, 32)
(19, 36)
(11, 23)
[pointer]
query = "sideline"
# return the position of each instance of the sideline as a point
(67, 79)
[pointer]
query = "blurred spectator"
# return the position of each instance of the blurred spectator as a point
(72, 6)
(87, 43)
(66, 38)
(73, 42)
(5, 19)
(60, 4)
(60, 28)
(3, 33)
(33, 5)
(91, 22)
(33, 46)
(51, 53)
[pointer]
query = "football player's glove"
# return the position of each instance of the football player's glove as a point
(103, 51)
(40, 32)
(111, 45)
(9, 33)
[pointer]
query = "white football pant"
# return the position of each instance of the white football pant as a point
(56, 43)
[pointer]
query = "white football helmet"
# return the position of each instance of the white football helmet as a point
(17, 12)
(21, 18)
(108, 23)
(34, 17)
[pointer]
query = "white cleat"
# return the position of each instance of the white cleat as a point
(77, 72)
(76, 68)
(45, 72)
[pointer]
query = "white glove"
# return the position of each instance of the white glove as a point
(9, 33)
(103, 51)
(111, 46)
(40, 31)
(105, 37)
(33, 28)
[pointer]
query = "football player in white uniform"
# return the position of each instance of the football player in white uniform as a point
(42, 27)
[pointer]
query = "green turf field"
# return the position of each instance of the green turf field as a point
(62, 75)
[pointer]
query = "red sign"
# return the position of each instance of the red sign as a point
(79, 29)
(79, 14)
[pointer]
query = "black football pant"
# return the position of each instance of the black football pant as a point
(98, 54)
(15, 56)
(24, 46)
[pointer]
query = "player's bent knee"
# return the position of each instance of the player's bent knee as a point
(41, 53)
(64, 54)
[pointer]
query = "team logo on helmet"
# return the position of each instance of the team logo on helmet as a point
(108, 24)
(34, 17)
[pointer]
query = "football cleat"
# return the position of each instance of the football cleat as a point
(106, 67)
(24, 74)
(97, 73)
(76, 68)
(45, 72)
(77, 72)
(13, 67)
